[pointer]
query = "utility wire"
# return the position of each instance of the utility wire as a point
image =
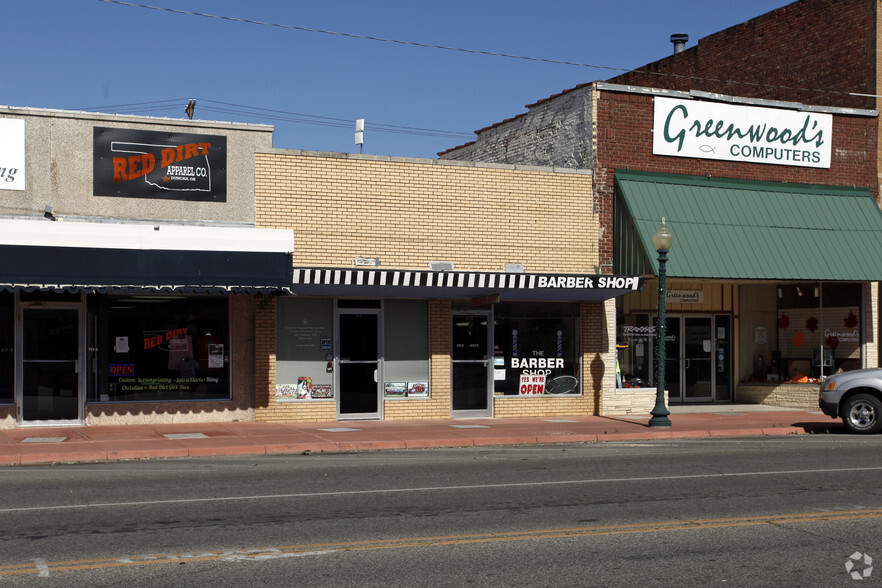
(362, 37)
(486, 53)
(276, 116)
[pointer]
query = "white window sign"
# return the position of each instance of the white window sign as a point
(731, 132)
(12, 154)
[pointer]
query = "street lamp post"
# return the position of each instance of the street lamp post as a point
(662, 240)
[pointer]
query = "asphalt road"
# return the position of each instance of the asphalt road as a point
(736, 512)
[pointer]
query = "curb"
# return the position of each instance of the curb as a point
(94, 455)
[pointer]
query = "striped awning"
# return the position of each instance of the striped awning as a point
(460, 284)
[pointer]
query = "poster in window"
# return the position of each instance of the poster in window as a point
(322, 391)
(396, 389)
(532, 385)
(121, 345)
(304, 388)
(418, 389)
(215, 355)
(286, 392)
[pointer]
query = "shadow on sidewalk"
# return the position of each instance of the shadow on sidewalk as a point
(818, 428)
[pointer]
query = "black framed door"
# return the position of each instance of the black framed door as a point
(359, 365)
(698, 348)
(694, 366)
(471, 369)
(51, 390)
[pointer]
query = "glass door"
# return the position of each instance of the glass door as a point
(359, 364)
(698, 347)
(50, 368)
(722, 358)
(471, 369)
(673, 354)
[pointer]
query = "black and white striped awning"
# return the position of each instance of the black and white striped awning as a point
(459, 284)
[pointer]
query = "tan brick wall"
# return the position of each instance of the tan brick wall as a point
(597, 332)
(411, 212)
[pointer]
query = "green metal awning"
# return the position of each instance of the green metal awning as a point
(745, 230)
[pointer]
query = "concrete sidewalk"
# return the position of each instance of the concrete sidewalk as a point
(48, 445)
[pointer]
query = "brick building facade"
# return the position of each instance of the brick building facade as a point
(820, 52)
(130, 268)
(609, 128)
(447, 266)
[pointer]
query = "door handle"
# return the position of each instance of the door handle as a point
(375, 376)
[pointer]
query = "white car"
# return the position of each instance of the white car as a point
(856, 398)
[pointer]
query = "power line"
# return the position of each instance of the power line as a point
(479, 52)
(276, 116)
(362, 37)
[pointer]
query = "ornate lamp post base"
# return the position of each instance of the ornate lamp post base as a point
(660, 416)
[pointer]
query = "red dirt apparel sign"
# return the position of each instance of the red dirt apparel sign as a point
(150, 164)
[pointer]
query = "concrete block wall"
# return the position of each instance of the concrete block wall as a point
(803, 397)
(59, 169)
(630, 401)
(552, 134)
(870, 329)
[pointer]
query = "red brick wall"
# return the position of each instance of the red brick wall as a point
(624, 141)
(819, 49)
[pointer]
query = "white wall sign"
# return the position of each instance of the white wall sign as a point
(684, 296)
(731, 132)
(12, 154)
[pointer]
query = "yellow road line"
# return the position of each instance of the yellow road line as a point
(35, 567)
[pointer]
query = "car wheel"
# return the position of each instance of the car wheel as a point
(862, 414)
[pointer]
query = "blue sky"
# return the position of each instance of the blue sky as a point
(90, 54)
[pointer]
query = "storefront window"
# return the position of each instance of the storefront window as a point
(635, 347)
(536, 349)
(7, 348)
(304, 349)
(158, 348)
(305, 360)
(819, 329)
(406, 346)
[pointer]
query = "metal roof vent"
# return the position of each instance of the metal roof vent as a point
(679, 40)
